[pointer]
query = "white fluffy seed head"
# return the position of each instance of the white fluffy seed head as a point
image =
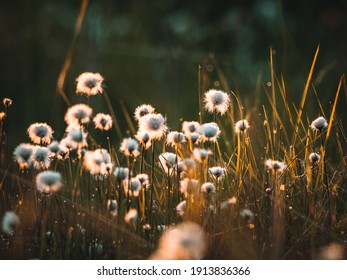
(42, 157)
(216, 100)
(23, 154)
(98, 162)
(144, 139)
(135, 186)
(112, 207)
(314, 158)
(247, 214)
(129, 147)
(7, 102)
(10, 222)
(131, 216)
(168, 162)
(154, 125)
(201, 155)
(48, 182)
(181, 208)
(191, 130)
(275, 165)
(78, 114)
(217, 172)
(319, 124)
(143, 178)
(189, 187)
(89, 84)
(103, 121)
(208, 188)
(175, 138)
(121, 173)
(209, 132)
(143, 110)
(241, 126)
(40, 133)
(185, 241)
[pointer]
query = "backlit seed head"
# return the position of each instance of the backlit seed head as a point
(268, 191)
(129, 147)
(201, 155)
(131, 216)
(40, 133)
(169, 161)
(48, 182)
(319, 124)
(189, 187)
(185, 241)
(42, 158)
(217, 172)
(181, 208)
(7, 102)
(143, 110)
(10, 222)
(144, 180)
(247, 215)
(275, 165)
(144, 139)
(190, 128)
(154, 125)
(121, 173)
(175, 138)
(209, 132)
(208, 188)
(314, 158)
(98, 162)
(112, 207)
(216, 100)
(103, 121)
(89, 84)
(78, 114)
(23, 154)
(241, 126)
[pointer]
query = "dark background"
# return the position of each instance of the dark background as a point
(149, 52)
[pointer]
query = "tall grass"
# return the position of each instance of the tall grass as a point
(292, 211)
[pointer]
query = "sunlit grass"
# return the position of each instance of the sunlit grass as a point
(245, 183)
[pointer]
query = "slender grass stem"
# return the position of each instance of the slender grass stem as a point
(152, 184)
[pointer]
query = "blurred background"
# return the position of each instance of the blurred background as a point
(150, 52)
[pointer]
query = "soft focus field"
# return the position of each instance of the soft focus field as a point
(219, 175)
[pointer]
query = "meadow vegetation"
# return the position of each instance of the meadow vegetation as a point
(266, 182)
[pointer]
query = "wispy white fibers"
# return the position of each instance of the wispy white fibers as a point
(175, 138)
(79, 114)
(103, 121)
(129, 147)
(142, 111)
(40, 133)
(241, 126)
(89, 84)
(9, 222)
(23, 154)
(216, 100)
(98, 162)
(319, 124)
(191, 131)
(168, 161)
(186, 241)
(275, 165)
(209, 132)
(48, 182)
(154, 125)
(42, 157)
